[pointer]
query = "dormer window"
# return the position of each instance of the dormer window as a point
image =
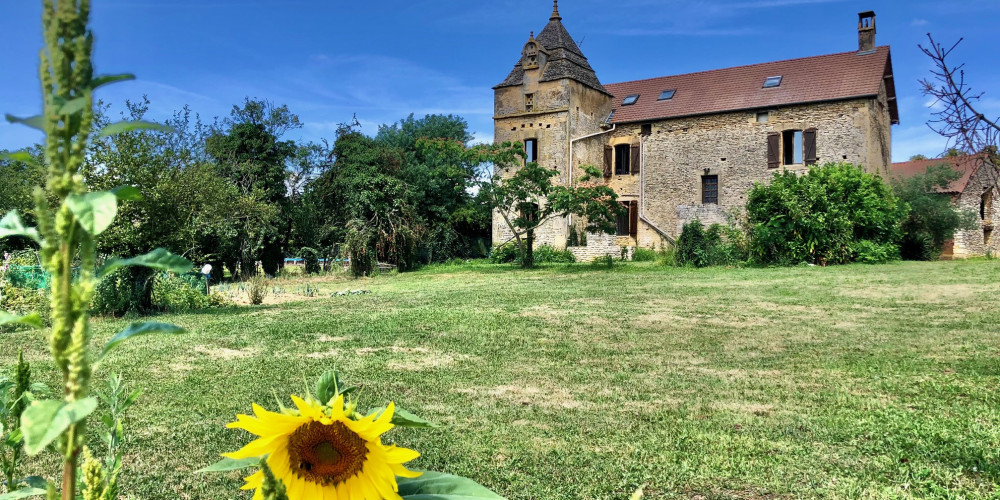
(667, 95)
(530, 59)
(772, 81)
(630, 100)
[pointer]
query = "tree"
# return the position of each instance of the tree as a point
(440, 180)
(931, 219)
(20, 172)
(250, 153)
(525, 197)
(960, 118)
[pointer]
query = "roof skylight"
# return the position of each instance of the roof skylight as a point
(667, 95)
(630, 100)
(772, 81)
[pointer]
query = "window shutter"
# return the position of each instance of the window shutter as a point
(772, 149)
(635, 159)
(809, 146)
(609, 154)
(633, 218)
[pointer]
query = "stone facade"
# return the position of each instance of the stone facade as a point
(571, 120)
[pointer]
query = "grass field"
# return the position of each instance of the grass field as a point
(582, 382)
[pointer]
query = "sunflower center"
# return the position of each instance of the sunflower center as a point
(326, 454)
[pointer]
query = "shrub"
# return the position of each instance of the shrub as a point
(719, 245)
(25, 301)
(547, 254)
(172, 293)
(504, 254)
(819, 216)
(126, 290)
(644, 255)
(931, 219)
(310, 259)
(257, 288)
(667, 256)
(867, 252)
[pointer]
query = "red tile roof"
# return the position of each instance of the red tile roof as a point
(965, 165)
(811, 79)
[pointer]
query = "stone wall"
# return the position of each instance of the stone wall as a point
(976, 242)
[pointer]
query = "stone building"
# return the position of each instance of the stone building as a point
(686, 147)
(974, 191)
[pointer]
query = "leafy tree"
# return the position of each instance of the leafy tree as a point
(18, 178)
(918, 157)
(821, 216)
(525, 197)
(440, 180)
(932, 219)
(250, 152)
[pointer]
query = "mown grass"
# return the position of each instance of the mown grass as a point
(582, 382)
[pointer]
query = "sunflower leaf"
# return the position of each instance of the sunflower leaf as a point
(438, 486)
(403, 418)
(228, 464)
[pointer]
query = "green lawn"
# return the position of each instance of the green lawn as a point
(582, 382)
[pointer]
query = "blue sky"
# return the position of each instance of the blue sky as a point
(382, 60)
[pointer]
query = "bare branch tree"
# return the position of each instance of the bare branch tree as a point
(959, 120)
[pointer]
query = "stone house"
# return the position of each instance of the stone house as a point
(685, 147)
(974, 191)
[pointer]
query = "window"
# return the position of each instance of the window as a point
(622, 222)
(667, 95)
(647, 128)
(623, 159)
(531, 150)
(710, 189)
(986, 205)
(529, 102)
(627, 224)
(772, 81)
(792, 147)
(630, 100)
(763, 117)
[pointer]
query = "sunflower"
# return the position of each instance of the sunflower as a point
(323, 454)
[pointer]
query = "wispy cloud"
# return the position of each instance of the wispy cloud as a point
(919, 22)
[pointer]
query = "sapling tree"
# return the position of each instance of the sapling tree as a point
(960, 118)
(525, 196)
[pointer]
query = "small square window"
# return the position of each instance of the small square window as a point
(772, 81)
(667, 95)
(630, 100)
(647, 128)
(763, 117)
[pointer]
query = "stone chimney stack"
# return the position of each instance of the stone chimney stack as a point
(866, 31)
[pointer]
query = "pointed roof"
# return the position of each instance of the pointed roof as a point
(565, 59)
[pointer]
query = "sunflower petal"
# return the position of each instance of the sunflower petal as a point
(401, 471)
(399, 455)
(256, 448)
(308, 410)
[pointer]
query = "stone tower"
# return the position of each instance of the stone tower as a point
(551, 97)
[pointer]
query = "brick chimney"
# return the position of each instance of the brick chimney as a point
(866, 31)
